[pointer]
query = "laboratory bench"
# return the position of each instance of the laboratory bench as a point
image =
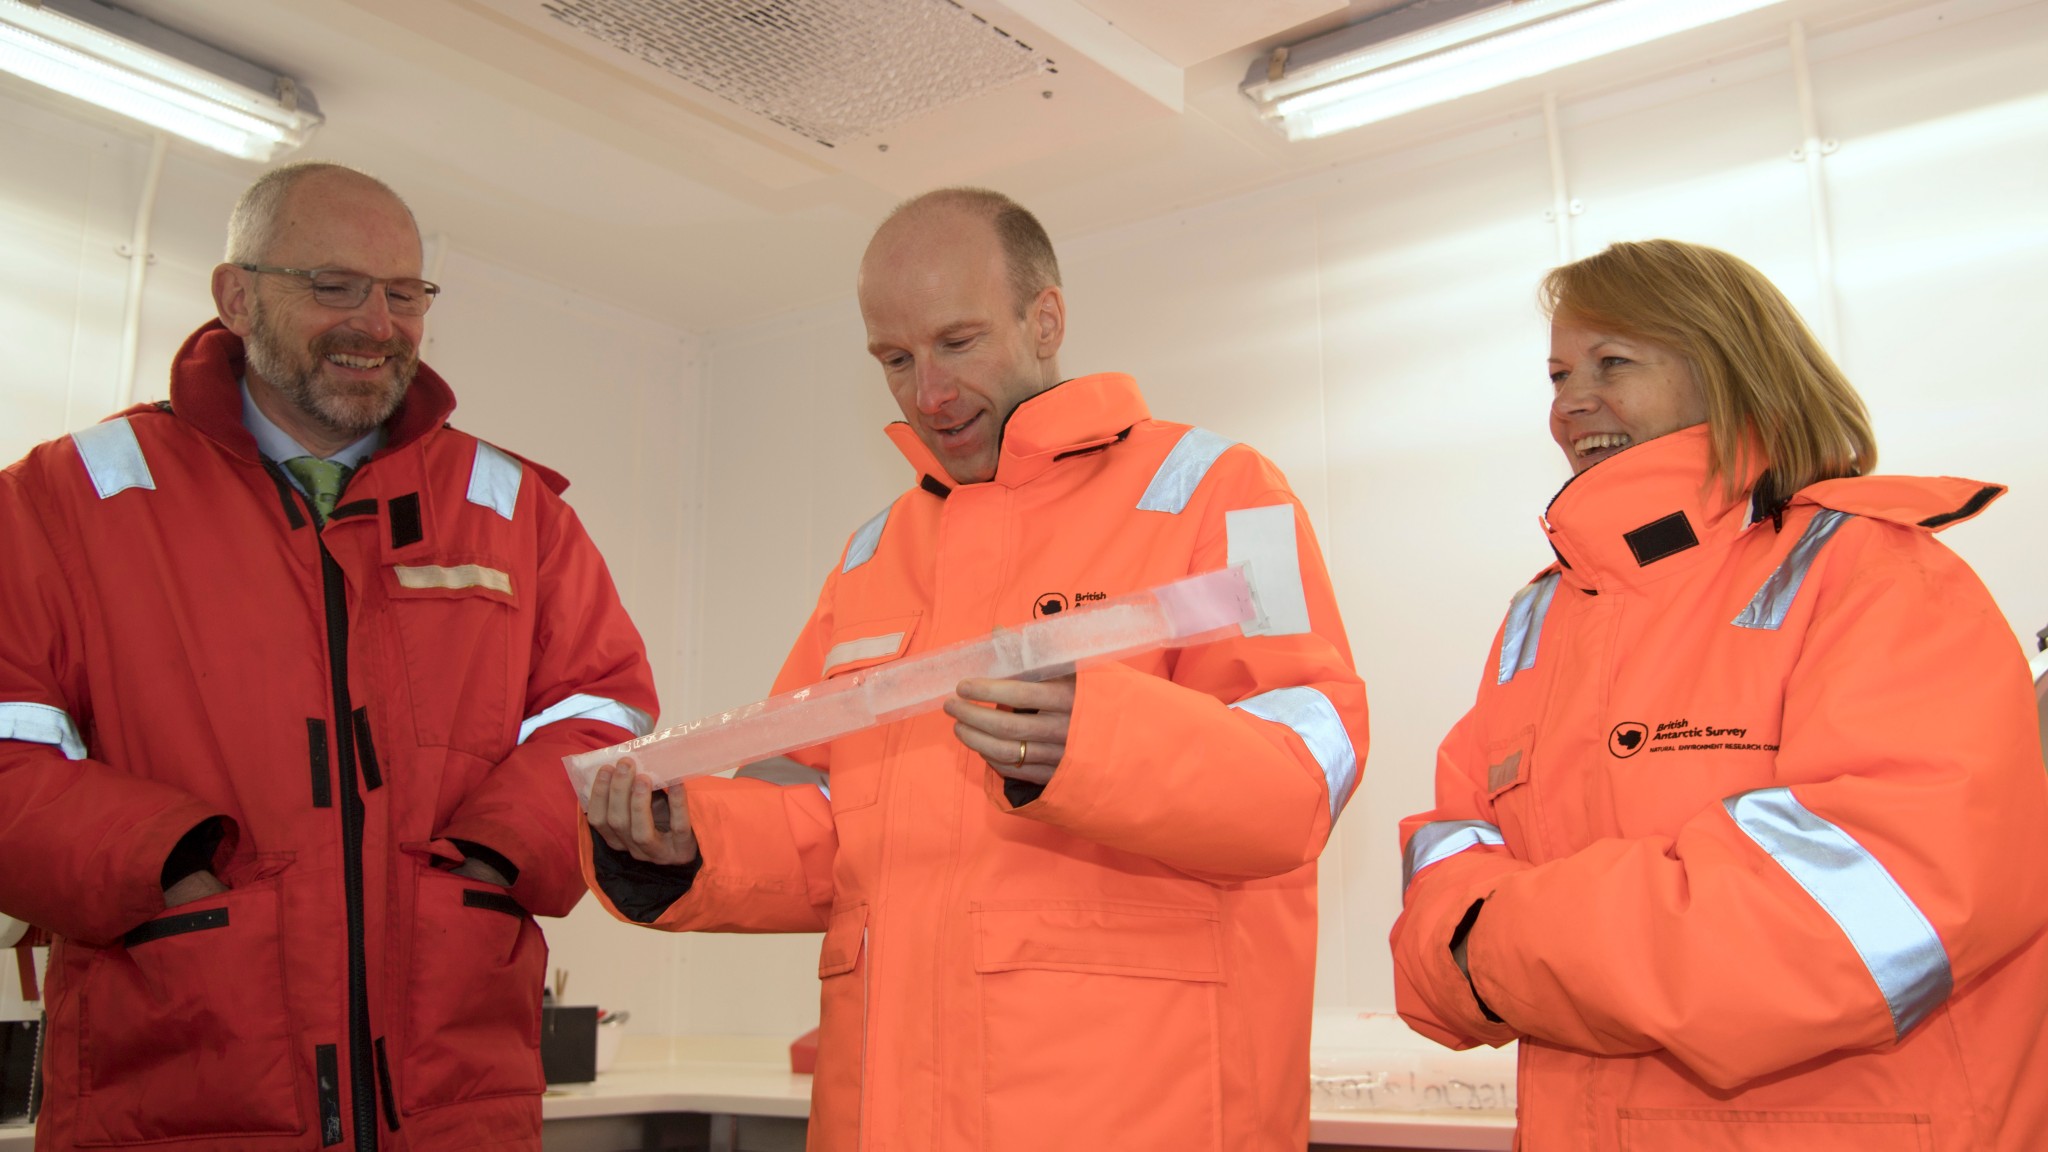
(737, 1094)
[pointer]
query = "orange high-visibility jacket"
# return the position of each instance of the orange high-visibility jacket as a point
(179, 642)
(1759, 817)
(1127, 960)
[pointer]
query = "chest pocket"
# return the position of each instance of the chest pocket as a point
(453, 617)
(856, 769)
(1507, 789)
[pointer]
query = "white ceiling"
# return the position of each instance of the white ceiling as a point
(598, 173)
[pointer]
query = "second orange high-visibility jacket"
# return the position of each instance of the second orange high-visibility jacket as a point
(1758, 815)
(1126, 960)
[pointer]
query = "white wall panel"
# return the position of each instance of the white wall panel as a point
(1942, 226)
(610, 400)
(1438, 466)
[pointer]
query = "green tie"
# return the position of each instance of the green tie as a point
(322, 481)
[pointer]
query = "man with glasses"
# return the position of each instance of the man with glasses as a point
(287, 670)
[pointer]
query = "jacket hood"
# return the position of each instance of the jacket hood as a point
(205, 391)
(1931, 503)
(1072, 416)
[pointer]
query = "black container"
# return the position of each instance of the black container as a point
(568, 1043)
(21, 1080)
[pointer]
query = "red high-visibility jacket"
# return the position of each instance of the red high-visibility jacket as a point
(181, 643)
(1759, 817)
(1126, 960)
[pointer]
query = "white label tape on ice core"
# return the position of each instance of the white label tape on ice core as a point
(1195, 610)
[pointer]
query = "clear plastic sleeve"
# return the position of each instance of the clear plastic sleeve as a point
(1195, 610)
(1371, 1062)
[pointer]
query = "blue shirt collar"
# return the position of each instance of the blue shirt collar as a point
(278, 445)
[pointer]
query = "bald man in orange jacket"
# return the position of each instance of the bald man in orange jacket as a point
(1072, 914)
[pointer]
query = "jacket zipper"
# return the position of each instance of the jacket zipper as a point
(361, 1075)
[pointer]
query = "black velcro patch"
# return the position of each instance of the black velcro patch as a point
(384, 1087)
(316, 755)
(327, 1072)
(1975, 505)
(405, 520)
(1660, 538)
(366, 752)
(177, 925)
(933, 486)
(495, 901)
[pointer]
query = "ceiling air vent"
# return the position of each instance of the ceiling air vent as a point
(828, 70)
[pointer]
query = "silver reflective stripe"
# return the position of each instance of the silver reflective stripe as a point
(583, 707)
(41, 724)
(1182, 471)
(861, 548)
(1438, 842)
(113, 457)
(1768, 607)
(1525, 627)
(1264, 540)
(1891, 935)
(865, 648)
(494, 480)
(1315, 720)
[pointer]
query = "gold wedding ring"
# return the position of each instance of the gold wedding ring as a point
(1019, 761)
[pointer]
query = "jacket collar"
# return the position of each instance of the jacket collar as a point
(1645, 515)
(206, 393)
(1075, 416)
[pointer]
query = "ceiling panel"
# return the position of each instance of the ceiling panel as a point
(584, 170)
(1188, 32)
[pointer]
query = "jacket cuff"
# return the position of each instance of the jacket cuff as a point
(194, 851)
(1439, 906)
(1021, 792)
(639, 890)
(1463, 961)
(475, 851)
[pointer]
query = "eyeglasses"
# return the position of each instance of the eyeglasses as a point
(337, 288)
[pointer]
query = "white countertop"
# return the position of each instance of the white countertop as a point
(750, 1076)
(741, 1075)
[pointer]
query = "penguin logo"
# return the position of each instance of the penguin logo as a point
(1628, 738)
(1050, 604)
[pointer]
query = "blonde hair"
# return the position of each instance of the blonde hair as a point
(1770, 387)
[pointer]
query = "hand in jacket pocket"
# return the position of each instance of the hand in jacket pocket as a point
(198, 886)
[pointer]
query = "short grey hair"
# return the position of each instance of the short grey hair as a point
(252, 227)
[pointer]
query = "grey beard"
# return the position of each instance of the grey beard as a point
(352, 414)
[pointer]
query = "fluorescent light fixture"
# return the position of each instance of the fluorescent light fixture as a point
(1336, 91)
(140, 69)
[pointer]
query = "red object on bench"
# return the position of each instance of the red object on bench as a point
(803, 1053)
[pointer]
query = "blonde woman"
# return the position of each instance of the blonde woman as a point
(1746, 837)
